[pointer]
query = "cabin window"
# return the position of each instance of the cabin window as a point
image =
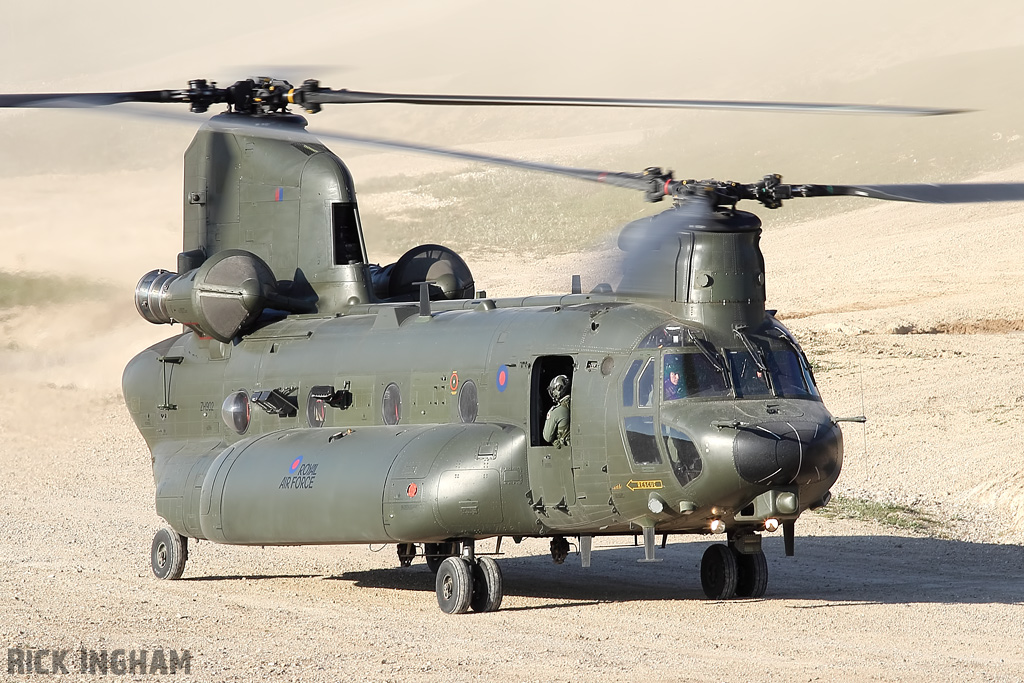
(391, 405)
(235, 411)
(468, 405)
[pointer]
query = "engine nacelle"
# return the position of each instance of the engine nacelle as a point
(433, 263)
(221, 298)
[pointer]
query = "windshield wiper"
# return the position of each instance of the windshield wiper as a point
(709, 351)
(757, 354)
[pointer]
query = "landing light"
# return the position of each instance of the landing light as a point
(787, 503)
(655, 505)
(717, 526)
(771, 525)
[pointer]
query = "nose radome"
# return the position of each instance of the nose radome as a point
(783, 453)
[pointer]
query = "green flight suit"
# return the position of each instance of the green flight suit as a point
(556, 425)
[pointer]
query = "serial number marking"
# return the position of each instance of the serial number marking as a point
(646, 485)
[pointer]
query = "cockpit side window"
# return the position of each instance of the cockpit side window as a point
(645, 385)
(683, 454)
(629, 383)
(640, 439)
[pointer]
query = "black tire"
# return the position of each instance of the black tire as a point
(168, 554)
(435, 553)
(487, 590)
(454, 586)
(752, 579)
(718, 572)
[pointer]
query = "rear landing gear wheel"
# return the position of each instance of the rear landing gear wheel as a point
(406, 553)
(454, 586)
(487, 591)
(435, 553)
(718, 572)
(168, 554)
(752, 575)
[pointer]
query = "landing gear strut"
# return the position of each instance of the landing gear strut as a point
(406, 553)
(559, 549)
(435, 553)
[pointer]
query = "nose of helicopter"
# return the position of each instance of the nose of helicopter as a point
(792, 452)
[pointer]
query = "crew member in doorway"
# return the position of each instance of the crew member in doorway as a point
(556, 426)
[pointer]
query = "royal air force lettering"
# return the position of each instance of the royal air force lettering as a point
(300, 475)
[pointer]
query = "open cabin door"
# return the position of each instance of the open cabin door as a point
(551, 468)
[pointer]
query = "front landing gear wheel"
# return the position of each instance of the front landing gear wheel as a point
(752, 575)
(718, 572)
(454, 586)
(168, 554)
(487, 592)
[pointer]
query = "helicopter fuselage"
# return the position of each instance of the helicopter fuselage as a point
(393, 424)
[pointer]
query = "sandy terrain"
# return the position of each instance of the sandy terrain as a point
(912, 315)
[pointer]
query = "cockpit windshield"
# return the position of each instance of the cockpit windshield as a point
(692, 375)
(767, 363)
(770, 367)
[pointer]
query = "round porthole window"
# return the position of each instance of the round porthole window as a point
(391, 405)
(468, 404)
(316, 405)
(235, 411)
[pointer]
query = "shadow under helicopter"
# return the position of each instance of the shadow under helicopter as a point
(833, 569)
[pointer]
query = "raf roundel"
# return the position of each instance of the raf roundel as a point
(502, 379)
(295, 465)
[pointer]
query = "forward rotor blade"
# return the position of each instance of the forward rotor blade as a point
(357, 97)
(945, 193)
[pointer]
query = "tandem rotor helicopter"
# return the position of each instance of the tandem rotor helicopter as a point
(314, 398)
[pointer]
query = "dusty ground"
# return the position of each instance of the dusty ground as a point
(912, 315)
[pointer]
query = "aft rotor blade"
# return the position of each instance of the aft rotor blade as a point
(94, 99)
(633, 181)
(325, 96)
(943, 193)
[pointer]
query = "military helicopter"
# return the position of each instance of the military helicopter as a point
(315, 398)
